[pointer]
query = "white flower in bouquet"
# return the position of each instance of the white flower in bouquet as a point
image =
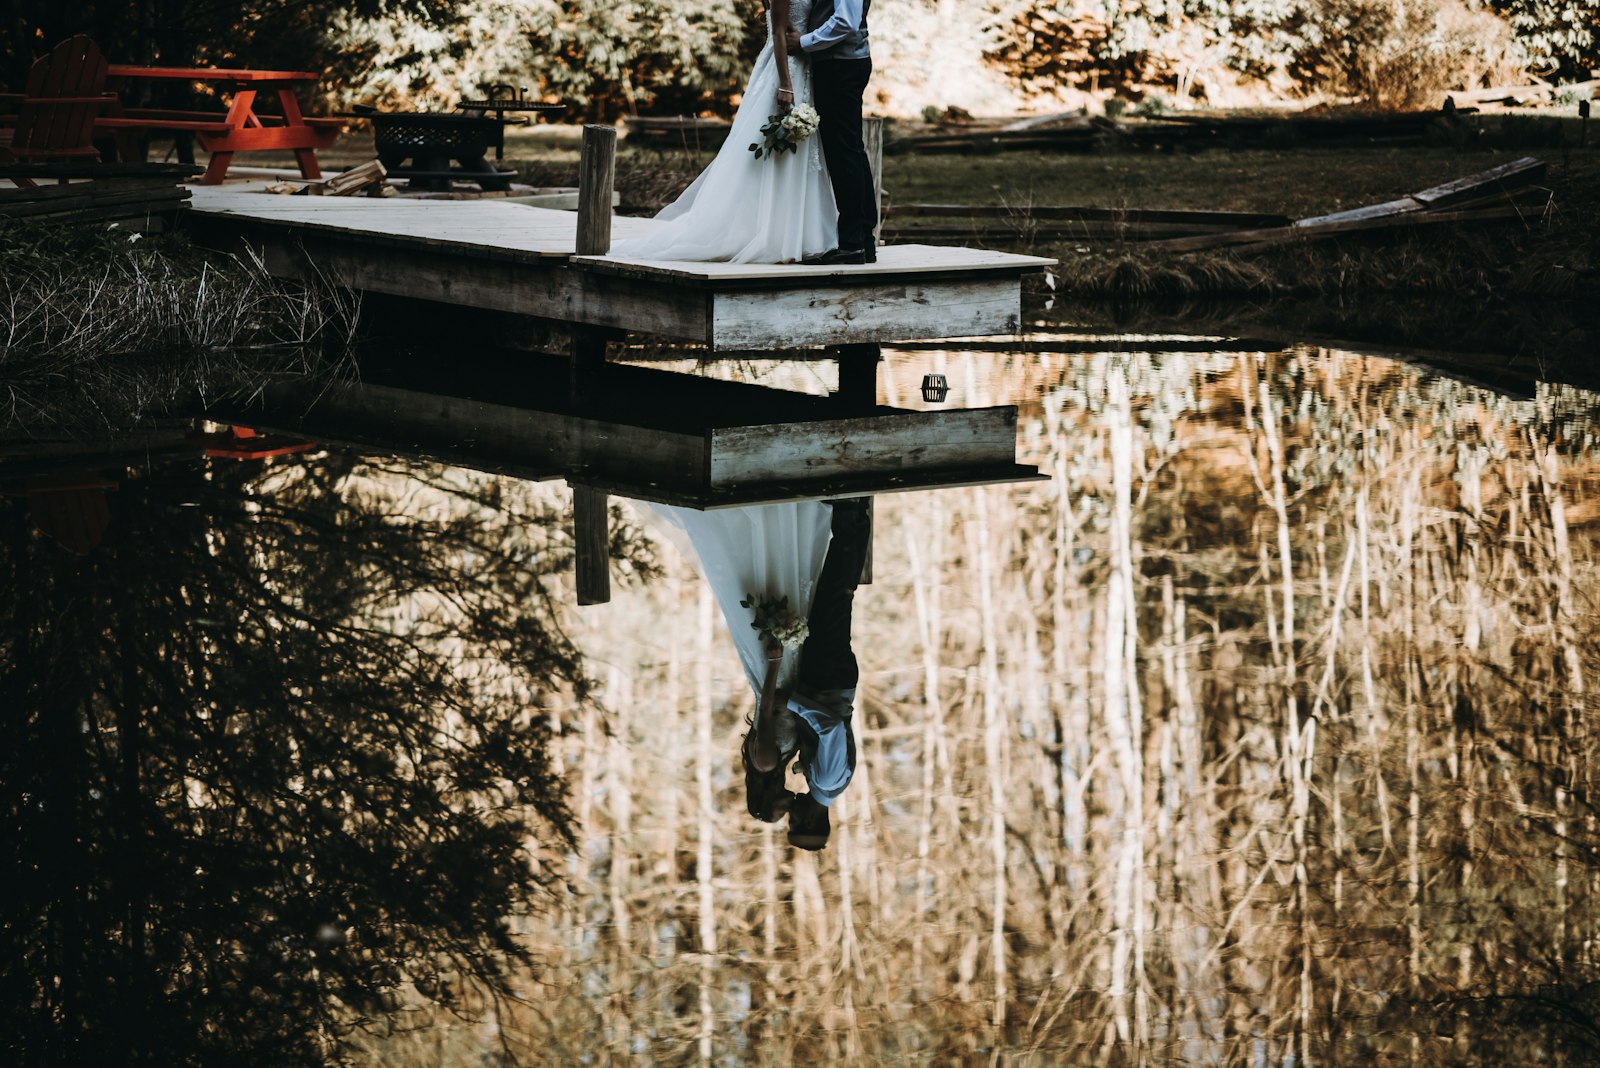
(775, 620)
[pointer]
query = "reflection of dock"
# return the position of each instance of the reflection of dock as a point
(520, 259)
(657, 436)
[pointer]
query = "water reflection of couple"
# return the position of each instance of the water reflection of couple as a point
(813, 553)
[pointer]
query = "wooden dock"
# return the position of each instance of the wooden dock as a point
(610, 429)
(522, 259)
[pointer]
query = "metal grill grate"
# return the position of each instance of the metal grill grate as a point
(447, 134)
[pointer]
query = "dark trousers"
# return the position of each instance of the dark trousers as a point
(827, 662)
(837, 86)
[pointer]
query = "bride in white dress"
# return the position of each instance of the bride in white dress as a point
(747, 210)
(771, 550)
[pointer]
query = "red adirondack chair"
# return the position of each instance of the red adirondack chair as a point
(55, 116)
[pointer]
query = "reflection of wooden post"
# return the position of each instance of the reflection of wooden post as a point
(591, 537)
(872, 138)
(597, 174)
(587, 363)
(858, 376)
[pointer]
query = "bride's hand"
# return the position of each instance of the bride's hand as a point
(785, 99)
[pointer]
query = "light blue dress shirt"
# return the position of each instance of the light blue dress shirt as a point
(846, 20)
(828, 713)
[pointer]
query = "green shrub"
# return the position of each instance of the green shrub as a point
(604, 59)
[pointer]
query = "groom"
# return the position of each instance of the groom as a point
(836, 43)
(814, 722)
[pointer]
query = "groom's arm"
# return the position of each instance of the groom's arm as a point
(845, 21)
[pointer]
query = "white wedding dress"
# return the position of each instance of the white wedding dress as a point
(774, 550)
(747, 210)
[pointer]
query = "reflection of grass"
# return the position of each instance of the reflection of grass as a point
(104, 328)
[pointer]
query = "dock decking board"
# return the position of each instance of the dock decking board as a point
(519, 259)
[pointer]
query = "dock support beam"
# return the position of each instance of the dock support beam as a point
(591, 539)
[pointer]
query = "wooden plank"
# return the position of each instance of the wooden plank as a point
(1218, 219)
(88, 206)
(545, 441)
(1518, 172)
(591, 537)
(173, 172)
(834, 314)
(500, 285)
(1371, 211)
(821, 489)
(894, 261)
(1082, 231)
(1410, 220)
(496, 228)
(1394, 214)
(962, 438)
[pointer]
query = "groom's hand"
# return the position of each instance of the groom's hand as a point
(791, 37)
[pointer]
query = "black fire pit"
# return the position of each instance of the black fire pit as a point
(432, 141)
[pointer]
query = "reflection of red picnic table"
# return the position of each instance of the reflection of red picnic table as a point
(241, 129)
(244, 443)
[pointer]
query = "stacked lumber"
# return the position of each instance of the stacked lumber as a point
(143, 196)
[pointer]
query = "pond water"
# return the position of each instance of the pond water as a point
(1260, 733)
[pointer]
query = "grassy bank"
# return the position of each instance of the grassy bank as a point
(1555, 257)
(102, 328)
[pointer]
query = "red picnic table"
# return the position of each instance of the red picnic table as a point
(241, 129)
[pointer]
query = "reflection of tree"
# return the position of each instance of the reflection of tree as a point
(270, 749)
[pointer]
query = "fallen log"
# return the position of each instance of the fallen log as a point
(1461, 194)
(1217, 219)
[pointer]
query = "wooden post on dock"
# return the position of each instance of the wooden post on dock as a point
(872, 137)
(591, 534)
(591, 540)
(597, 172)
(597, 176)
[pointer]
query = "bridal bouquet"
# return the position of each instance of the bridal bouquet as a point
(785, 130)
(774, 620)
